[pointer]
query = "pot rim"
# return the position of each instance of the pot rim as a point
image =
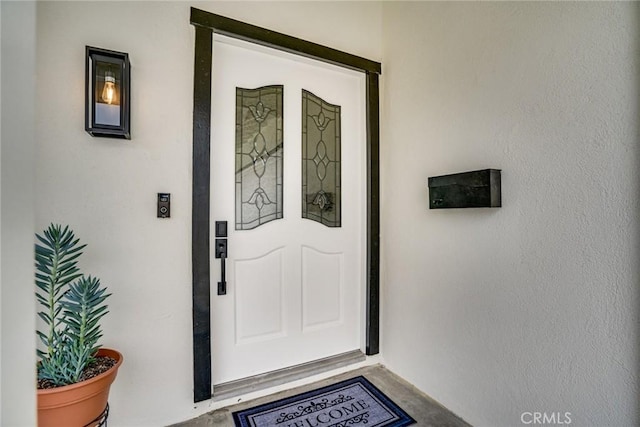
(103, 351)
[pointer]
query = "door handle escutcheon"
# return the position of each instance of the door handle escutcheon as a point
(221, 252)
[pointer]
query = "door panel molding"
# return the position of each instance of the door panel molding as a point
(323, 284)
(263, 281)
(206, 24)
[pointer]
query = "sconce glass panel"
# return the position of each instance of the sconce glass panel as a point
(107, 112)
(321, 180)
(259, 156)
(108, 91)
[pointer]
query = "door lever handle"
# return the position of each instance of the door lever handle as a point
(221, 252)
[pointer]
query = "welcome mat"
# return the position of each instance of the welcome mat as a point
(354, 402)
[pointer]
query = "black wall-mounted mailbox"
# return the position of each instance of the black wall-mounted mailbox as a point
(476, 189)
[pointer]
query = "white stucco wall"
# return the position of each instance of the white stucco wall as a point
(534, 306)
(106, 188)
(17, 305)
(531, 307)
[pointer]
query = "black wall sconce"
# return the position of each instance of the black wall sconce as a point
(107, 93)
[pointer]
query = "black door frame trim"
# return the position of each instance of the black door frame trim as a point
(206, 24)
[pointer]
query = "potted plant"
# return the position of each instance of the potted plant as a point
(74, 372)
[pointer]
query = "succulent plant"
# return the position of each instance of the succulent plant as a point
(72, 303)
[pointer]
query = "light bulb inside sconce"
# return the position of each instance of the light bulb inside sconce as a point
(109, 90)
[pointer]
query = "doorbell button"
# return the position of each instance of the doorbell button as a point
(164, 205)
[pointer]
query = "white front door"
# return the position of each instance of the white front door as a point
(288, 176)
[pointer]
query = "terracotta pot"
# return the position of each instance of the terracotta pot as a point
(77, 405)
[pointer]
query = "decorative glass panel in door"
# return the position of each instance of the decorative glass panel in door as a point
(259, 156)
(321, 189)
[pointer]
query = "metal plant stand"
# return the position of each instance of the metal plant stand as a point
(101, 419)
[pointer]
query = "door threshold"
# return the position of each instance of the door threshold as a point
(281, 376)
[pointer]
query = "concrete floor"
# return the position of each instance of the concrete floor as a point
(423, 409)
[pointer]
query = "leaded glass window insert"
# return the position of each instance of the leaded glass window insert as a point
(259, 156)
(321, 180)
